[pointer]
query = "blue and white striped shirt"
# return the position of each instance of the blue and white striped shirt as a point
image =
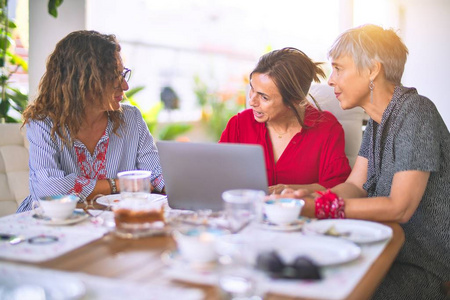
(55, 170)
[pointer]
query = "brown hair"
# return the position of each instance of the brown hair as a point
(78, 72)
(292, 72)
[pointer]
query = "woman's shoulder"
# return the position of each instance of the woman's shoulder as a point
(130, 113)
(45, 124)
(129, 109)
(246, 114)
(416, 105)
(244, 117)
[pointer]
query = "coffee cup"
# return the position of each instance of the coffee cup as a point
(59, 207)
(283, 211)
(197, 245)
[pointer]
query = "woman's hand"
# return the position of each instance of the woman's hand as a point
(295, 190)
(298, 194)
(277, 189)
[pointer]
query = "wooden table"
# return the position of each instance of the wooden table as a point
(139, 261)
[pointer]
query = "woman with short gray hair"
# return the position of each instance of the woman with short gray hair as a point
(402, 173)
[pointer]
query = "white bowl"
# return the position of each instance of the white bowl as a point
(283, 211)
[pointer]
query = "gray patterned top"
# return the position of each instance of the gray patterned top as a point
(413, 136)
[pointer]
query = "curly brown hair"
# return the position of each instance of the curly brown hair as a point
(78, 73)
(292, 71)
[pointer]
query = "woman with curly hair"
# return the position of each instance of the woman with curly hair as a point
(80, 134)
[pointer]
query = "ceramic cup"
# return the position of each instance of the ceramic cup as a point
(283, 211)
(58, 207)
(197, 245)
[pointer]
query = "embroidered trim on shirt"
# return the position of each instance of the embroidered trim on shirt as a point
(96, 170)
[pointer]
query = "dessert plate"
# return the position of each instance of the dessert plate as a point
(175, 260)
(77, 216)
(111, 200)
(357, 231)
(322, 250)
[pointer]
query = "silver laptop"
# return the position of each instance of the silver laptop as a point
(196, 174)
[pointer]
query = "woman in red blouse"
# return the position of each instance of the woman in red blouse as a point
(303, 146)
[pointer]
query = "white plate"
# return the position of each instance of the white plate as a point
(360, 231)
(57, 286)
(323, 250)
(112, 200)
(175, 260)
(297, 225)
(76, 217)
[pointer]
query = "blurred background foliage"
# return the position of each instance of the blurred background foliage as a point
(159, 131)
(219, 106)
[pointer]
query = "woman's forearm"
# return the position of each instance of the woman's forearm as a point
(349, 190)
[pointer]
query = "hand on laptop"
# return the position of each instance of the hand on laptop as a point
(277, 189)
(294, 190)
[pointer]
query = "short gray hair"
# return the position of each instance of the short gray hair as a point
(369, 43)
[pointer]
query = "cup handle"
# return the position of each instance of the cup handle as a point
(37, 208)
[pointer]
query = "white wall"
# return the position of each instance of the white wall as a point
(425, 31)
(46, 31)
(423, 26)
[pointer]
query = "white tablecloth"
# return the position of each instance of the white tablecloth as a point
(337, 283)
(66, 285)
(69, 237)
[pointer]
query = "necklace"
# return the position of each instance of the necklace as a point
(279, 135)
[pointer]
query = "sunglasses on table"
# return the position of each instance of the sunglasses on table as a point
(301, 268)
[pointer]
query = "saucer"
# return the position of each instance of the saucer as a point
(77, 216)
(296, 225)
(174, 259)
(113, 200)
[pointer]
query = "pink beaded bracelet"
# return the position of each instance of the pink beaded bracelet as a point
(329, 206)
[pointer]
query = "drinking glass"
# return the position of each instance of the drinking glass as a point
(134, 185)
(241, 207)
(136, 215)
(238, 278)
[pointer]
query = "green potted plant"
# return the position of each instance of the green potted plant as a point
(12, 101)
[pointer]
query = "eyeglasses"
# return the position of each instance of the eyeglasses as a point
(301, 268)
(126, 74)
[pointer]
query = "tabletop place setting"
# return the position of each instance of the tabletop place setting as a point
(258, 245)
(254, 246)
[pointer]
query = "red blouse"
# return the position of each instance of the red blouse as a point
(314, 155)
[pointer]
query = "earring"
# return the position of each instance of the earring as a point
(371, 86)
